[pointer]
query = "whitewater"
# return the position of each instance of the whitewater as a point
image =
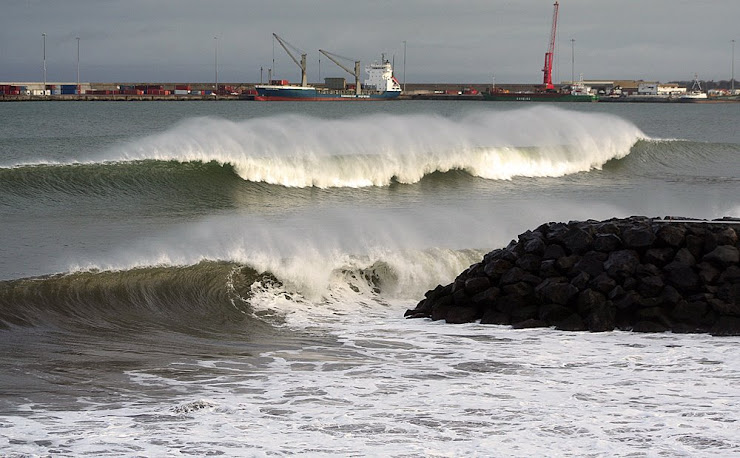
(231, 279)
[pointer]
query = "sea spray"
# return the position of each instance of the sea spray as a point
(374, 150)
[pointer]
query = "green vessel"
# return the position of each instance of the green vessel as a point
(572, 96)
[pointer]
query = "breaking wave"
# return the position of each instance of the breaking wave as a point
(372, 150)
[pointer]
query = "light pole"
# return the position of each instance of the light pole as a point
(78, 64)
(733, 67)
(404, 65)
(572, 61)
(215, 63)
(44, 40)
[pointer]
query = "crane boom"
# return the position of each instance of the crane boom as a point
(301, 64)
(355, 73)
(549, 55)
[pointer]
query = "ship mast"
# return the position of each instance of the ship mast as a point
(301, 64)
(549, 55)
(356, 73)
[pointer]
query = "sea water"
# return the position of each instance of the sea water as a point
(230, 278)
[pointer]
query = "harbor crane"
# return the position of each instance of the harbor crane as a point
(301, 64)
(550, 54)
(356, 73)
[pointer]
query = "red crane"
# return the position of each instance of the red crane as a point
(547, 70)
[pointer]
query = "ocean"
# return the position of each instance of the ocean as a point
(230, 278)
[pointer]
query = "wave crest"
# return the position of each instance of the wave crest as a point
(375, 150)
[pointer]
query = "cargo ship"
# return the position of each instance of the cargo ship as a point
(576, 93)
(379, 85)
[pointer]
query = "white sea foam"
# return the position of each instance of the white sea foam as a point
(373, 150)
(372, 384)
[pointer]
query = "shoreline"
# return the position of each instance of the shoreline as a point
(403, 97)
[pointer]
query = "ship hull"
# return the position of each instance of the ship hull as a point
(311, 94)
(537, 97)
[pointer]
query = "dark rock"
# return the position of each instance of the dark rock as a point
(723, 307)
(475, 285)
(458, 315)
(556, 292)
(573, 323)
(622, 263)
(530, 324)
(509, 302)
(459, 298)
(495, 317)
(649, 326)
(607, 243)
(498, 267)
(523, 313)
(681, 276)
(638, 237)
(588, 300)
(553, 251)
(650, 286)
(726, 236)
(554, 313)
(577, 241)
(518, 289)
(535, 246)
(486, 297)
(603, 283)
(708, 274)
(695, 245)
(730, 293)
(580, 281)
(548, 269)
(513, 275)
(647, 270)
(659, 256)
(730, 275)
(529, 262)
(684, 256)
(592, 263)
(670, 295)
(601, 318)
(567, 263)
(723, 255)
(671, 235)
(726, 326)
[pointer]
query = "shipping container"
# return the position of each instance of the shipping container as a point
(181, 92)
(195, 92)
(182, 87)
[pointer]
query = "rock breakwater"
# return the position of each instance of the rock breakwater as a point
(640, 274)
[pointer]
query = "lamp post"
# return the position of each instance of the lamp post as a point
(43, 35)
(78, 64)
(215, 63)
(733, 67)
(404, 65)
(572, 61)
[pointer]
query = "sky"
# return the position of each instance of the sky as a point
(429, 41)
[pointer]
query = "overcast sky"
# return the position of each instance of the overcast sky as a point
(446, 40)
